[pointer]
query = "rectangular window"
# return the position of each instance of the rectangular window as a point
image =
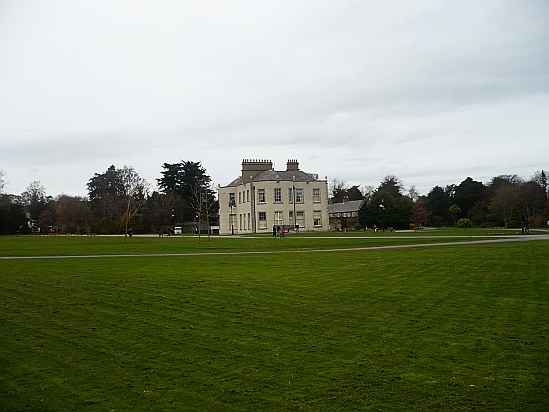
(316, 195)
(317, 218)
(232, 222)
(260, 195)
(249, 222)
(278, 195)
(262, 220)
(239, 197)
(248, 195)
(290, 195)
(240, 219)
(244, 223)
(300, 217)
(278, 219)
(299, 195)
(231, 200)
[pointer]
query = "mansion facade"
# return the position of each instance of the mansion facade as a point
(262, 198)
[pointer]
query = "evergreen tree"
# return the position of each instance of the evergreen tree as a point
(12, 215)
(387, 206)
(468, 193)
(105, 191)
(514, 220)
(438, 205)
(455, 211)
(186, 179)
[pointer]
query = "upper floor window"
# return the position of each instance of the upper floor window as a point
(316, 195)
(299, 196)
(278, 195)
(231, 200)
(290, 195)
(261, 195)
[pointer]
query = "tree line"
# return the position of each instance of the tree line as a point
(506, 201)
(118, 201)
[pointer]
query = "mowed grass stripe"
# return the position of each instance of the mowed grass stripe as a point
(23, 246)
(437, 328)
(299, 249)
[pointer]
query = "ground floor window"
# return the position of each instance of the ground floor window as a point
(300, 218)
(317, 218)
(278, 220)
(262, 220)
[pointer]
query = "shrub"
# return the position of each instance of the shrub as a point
(461, 222)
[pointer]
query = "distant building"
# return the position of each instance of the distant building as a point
(262, 198)
(344, 215)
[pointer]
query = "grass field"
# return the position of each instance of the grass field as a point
(91, 245)
(450, 327)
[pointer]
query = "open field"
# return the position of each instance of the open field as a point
(449, 327)
(147, 244)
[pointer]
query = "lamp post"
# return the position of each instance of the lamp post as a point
(252, 207)
(295, 217)
(382, 206)
(231, 220)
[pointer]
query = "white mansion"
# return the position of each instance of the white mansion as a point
(262, 198)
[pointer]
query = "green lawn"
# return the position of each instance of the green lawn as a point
(91, 245)
(458, 327)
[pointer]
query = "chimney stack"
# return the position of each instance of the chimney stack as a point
(292, 165)
(252, 167)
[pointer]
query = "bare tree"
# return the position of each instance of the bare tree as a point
(505, 196)
(72, 212)
(368, 191)
(3, 183)
(136, 189)
(337, 189)
(539, 177)
(413, 193)
(45, 221)
(203, 204)
(35, 192)
(35, 199)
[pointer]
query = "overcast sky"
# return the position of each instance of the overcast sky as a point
(429, 91)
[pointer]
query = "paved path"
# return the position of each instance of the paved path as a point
(500, 239)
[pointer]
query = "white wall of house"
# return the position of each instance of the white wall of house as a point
(258, 205)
